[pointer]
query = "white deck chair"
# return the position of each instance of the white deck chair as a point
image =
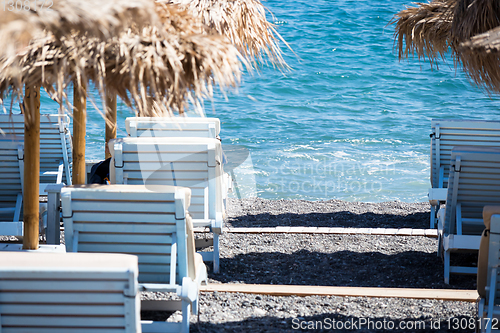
(55, 144)
(189, 162)
(446, 134)
(474, 182)
(149, 222)
(199, 127)
(177, 127)
(488, 270)
(11, 187)
(68, 292)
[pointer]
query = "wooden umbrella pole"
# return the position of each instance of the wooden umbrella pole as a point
(110, 120)
(79, 130)
(31, 166)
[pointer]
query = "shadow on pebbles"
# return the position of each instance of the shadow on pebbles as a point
(331, 260)
(328, 260)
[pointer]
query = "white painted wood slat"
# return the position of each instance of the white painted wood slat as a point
(68, 292)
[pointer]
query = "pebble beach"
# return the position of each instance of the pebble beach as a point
(327, 260)
(330, 260)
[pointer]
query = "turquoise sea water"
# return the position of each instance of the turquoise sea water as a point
(349, 121)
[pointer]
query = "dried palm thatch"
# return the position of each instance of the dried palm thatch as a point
(481, 58)
(433, 28)
(159, 70)
(475, 21)
(243, 21)
(424, 29)
(473, 17)
(62, 17)
(488, 42)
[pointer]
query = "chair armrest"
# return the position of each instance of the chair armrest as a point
(437, 195)
(188, 290)
(200, 269)
(441, 215)
(166, 288)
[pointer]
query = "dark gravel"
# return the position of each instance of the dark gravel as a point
(224, 312)
(332, 213)
(332, 260)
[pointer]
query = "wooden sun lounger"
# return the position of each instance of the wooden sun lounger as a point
(474, 182)
(55, 144)
(190, 162)
(11, 187)
(488, 270)
(179, 127)
(150, 222)
(199, 127)
(68, 292)
(446, 134)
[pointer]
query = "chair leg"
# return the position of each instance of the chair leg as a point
(440, 245)
(447, 267)
(480, 316)
(216, 253)
(186, 313)
(433, 217)
(491, 299)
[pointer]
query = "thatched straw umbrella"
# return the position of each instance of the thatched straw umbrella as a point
(243, 21)
(158, 66)
(169, 67)
(91, 17)
(424, 30)
(432, 28)
(17, 27)
(488, 42)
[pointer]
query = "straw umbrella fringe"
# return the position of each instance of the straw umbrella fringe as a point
(432, 28)
(481, 58)
(488, 42)
(160, 71)
(18, 27)
(97, 18)
(243, 21)
(424, 30)
(475, 18)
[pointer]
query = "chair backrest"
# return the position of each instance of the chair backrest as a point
(474, 183)
(55, 141)
(448, 133)
(11, 175)
(149, 222)
(173, 127)
(490, 213)
(190, 162)
(68, 292)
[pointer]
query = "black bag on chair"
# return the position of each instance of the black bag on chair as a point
(99, 174)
